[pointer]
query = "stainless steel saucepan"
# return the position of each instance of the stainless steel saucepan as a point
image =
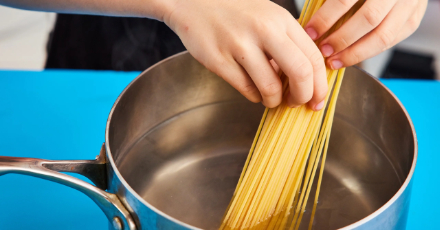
(178, 135)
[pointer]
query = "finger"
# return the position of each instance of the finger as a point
(320, 86)
(234, 74)
(327, 16)
(295, 65)
(368, 17)
(377, 41)
(413, 22)
(313, 54)
(275, 66)
(258, 67)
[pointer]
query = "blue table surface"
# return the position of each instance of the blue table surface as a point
(62, 115)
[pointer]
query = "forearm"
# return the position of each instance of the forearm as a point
(155, 9)
(234, 39)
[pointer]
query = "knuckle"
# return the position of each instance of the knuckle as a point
(372, 16)
(247, 89)
(354, 57)
(271, 89)
(241, 49)
(215, 63)
(343, 42)
(317, 60)
(285, 14)
(386, 38)
(264, 27)
(323, 21)
(413, 23)
(346, 3)
(302, 72)
(339, 41)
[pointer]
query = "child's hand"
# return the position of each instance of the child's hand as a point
(377, 26)
(236, 40)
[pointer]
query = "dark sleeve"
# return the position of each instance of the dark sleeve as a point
(115, 43)
(109, 43)
(290, 6)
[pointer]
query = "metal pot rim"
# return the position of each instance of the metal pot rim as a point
(110, 155)
(410, 174)
(351, 226)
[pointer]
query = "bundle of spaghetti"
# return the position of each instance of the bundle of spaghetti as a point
(290, 143)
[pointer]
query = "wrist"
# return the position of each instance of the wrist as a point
(168, 12)
(154, 9)
(162, 9)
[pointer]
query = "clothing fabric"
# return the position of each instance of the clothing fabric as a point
(115, 43)
(109, 43)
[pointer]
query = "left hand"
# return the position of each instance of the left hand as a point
(374, 28)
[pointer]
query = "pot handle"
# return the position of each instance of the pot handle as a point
(95, 170)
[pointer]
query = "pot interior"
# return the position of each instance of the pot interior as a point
(180, 135)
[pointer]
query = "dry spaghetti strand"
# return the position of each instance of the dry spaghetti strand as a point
(290, 143)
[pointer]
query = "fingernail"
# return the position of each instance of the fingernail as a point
(336, 64)
(319, 106)
(327, 50)
(312, 33)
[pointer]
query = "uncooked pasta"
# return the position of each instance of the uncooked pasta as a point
(290, 143)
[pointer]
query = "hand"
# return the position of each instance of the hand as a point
(374, 28)
(237, 39)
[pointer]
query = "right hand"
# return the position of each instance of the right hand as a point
(237, 39)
